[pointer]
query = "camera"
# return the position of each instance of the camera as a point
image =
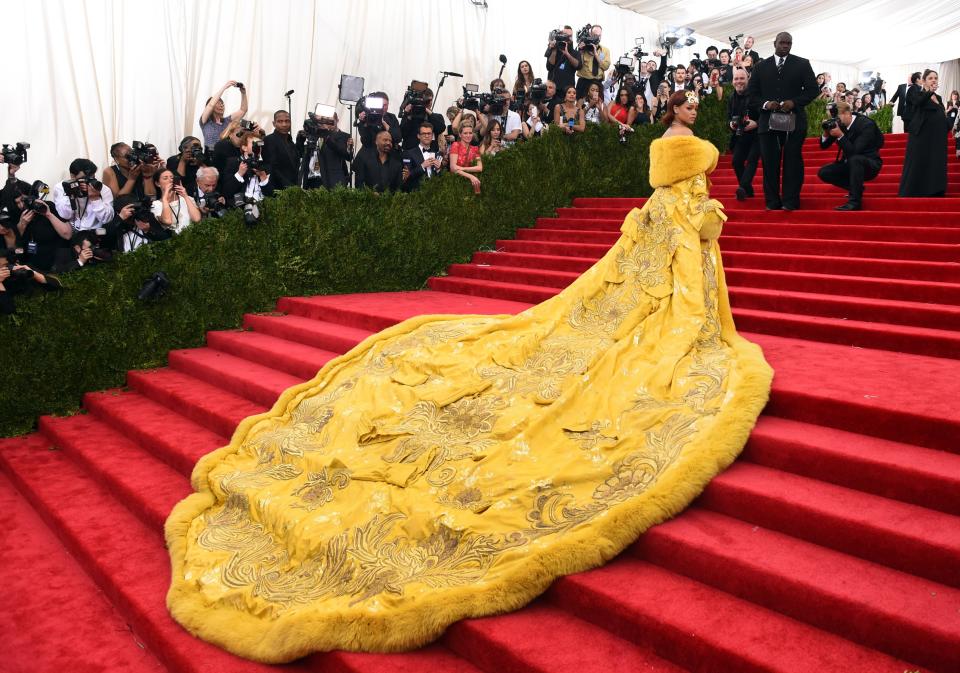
(251, 211)
(638, 52)
(538, 92)
(560, 38)
(495, 101)
(623, 66)
(211, 201)
(142, 212)
(15, 155)
(154, 286)
(320, 122)
(833, 122)
(416, 98)
(735, 40)
(471, 97)
(194, 153)
(739, 124)
(587, 38)
(242, 88)
(247, 125)
(255, 161)
(76, 188)
(33, 200)
(373, 107)
(17, 274)
(142, 153)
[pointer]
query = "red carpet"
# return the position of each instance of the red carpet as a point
(833, 544)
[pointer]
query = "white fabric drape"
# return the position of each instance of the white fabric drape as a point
(88, 74)
(851, 32)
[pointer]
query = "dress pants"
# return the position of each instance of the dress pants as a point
(774, 147)
(851, 175)
(746, 155)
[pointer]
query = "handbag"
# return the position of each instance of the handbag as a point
(783, 121)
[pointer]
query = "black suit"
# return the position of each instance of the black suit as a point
(795, 83)
(745, 147)
(378, 176)
(858, 157)
(417, 172)
(281, 155)
(332, 158)
(658, 75)
(903, 107)
(410, 127)
(230, 186)
(563, 72)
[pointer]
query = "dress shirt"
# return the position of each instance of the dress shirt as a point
(89, 214)
(427, 155)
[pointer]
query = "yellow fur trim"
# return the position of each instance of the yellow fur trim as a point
(679, 158)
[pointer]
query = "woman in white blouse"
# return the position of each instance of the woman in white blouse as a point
(175, 210)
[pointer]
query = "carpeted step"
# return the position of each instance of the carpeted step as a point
(897, 396)
(147, 486)
(317, 333)
(133, 569)
(167, 435)
(845, 232)
(857, 333)
(518, 292)
(547, 639)
(532, 261)
(553, 248)
(54, 617)
(913, 539)
(933, 252)
(605, 238)
(806, 215)
(213, 408)
(703, 628)
(258, 383)
(377, 310)
(903, 472)
(864, 602)
(291, 357)
(508, 274)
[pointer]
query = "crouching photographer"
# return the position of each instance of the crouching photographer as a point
(246, 180)
(29, 226)
(206, 196)
(19, 279)
(83, 201)
(743, 135)
(136, 224)
(86, 249)
(858, 156)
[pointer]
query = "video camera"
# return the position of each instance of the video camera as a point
(735, 40)
(560, 38)
(536, 95)
(142, 153)
(15, 155)
(373, 107)
(623, 66)
(320, 122)
(638, 52)
(495, 101)
(416, 97)
(586, 37)
(471, 97)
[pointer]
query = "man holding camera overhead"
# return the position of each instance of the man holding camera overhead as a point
(858, 142)
(325, 149)
(83, 201)
(563, 60)
(595, 59)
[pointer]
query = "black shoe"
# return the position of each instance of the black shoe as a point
(849, 205)
(790, 208)
(741, 194)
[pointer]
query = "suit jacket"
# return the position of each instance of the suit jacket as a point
(333, 157)
(417, 172)
(658, 75)
(378, 177)
(281, 155)
(863, 138)
(797, 83)
(230, 186)
(900, 96)
(922, 105)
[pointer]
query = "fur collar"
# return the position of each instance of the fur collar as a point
(679, 158)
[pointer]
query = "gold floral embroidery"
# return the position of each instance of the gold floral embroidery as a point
(318, 489)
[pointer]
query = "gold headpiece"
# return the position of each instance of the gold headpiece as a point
(692, 98)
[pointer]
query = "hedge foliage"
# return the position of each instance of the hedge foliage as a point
(59, 345)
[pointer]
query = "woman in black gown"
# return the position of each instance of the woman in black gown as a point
(925, 165)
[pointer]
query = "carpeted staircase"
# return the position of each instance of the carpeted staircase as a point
(832, 544)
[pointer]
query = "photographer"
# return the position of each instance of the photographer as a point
(17, 279)
(212, 121)
(563, 60)
(743, 116)
(726, 70)
(188, 161)
(749, 51)
(379, 169)
(84, 251)
(421, 162)
(594, 57)
(136, 224)
(510, 120)
(370, 122)
(326, 149)
(551, 100)
(83, 201)
(133, 169)
(412, 116)
(246, 175)
(175, 210)
(858, 158)
(231, 142)
(31, 227)
(208, 199)
(280, 152)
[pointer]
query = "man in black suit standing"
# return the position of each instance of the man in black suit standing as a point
(903, 107)
(651, 75)
(420, 162)
(280, 153)
(783, 83)
(325, 154)
(858, 157)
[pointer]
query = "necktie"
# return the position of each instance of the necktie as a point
(780, 61)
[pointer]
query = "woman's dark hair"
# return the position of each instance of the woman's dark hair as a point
(156, 176)
(914, 77)
(567, 90)
(488, 136)
(522, 81)
(644, 106)
(678, 99)
(623, 90)
(928, 71)
(86, 166)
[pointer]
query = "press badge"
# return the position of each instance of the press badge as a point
(32, 248)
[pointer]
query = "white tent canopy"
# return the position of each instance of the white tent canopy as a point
(851, 32)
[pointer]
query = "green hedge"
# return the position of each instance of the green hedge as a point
(60, 345)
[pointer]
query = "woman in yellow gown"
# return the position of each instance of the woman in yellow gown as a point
(454, 466)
